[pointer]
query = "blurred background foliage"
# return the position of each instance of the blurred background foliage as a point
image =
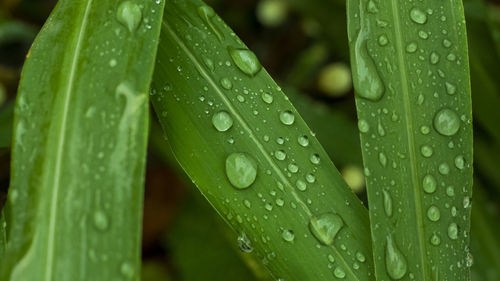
(303, 45)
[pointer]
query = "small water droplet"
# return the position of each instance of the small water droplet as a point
(382, 40)
(363, 126)
(245, 60)
(453, 231)
(226, 83)
(301, 185)
(418, 16)
(288, 235)
(293, 168)
(339, 272)
(435, 240)
(222, 121)
(395, 262)
(101, 221)
(459, 162)
(446, 122)
(303, 141)
(434, 58)
(469, 260)
(429, 184)
(444, 169)
(267, 98)
(241, 170)
(387, 203)
(450, 88)
(426, 151)
(287, 117)
(450, 191)
(360, 257)
(382, 159)
(244, 243)
(433, 213)
(466, 202)
(280, 155)
(129, 15)
(127, 270)
(315, 158)
(310, 178)
(325, 227)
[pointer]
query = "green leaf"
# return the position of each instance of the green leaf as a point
(79, 144)
(214, 100)
(410, 72)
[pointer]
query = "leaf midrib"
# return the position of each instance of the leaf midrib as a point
(409, 131)
(252, 136)
(60, 144)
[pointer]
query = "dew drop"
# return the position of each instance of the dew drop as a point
(244, 243)
(450, 191)
(222, 121)
(382, 159)
(387, 203)
(287, 117)
(226, 83)
(367, 81)
(363, 126)
(429, 184)
(339, 272)
(280, 155)
(267, 98)
(325, 227)
(433, 213)
(293, 168)
(206, 13)
(469, 260)
(411, 48)
(360, 257)
(303, 141)
(315, 158)
(101, 221)
(418, 16)
(453, 231)
(450, 88)
(382, 40)
(446, 122)
(434, 58)
(435, 240)
(301, 185)
(127, 270)
(129, 15)
(288, 235)
(395, 262)
(310, 178)
(245, 60)
(459, 162)
(241, 170)
(426, 151)
(444, 169)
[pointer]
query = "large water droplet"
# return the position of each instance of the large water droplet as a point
(446, 122)
(241, 170)
(395, 262)
(245, 60)
(222, 121)
(325, 227)
(129, 14)
(387, 203)
(367, 82)
(418, 16)
(429, 184)
(287, 117)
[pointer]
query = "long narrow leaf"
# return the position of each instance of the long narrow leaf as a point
(79, 144)
(243, 144)
(410, 71)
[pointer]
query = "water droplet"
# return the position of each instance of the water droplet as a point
(395, 262)
(425, 130)
(469, 260)
(434, 58)
(314, 158)
(382, 40)
(301, 185)
(450, 191)
(387, 203)
(245, 60)
(446, 43)
(435, 240)
(331, 258)
(450, 88)
(444, 169)
(382, 159)
(310, 178)
(339, 272)
(429, 184)
(226, 83)
(363, 126)
(280, 155)
(418, 16)
(453, 231)
(446, 122)
(466, 202)
(241, 170)
(222, 121)
(411, 48)
(303, 141)
(433, 213)
(129, 15)
(288, 235)
(380, 129)
(101, 221)
(206, 13)
(267, 98)
(360, 257)
(127, 270)
(325, 227)
(244, 243)
(367, 82)
(459, 162)
(287, 117)
(293, 168)
(426, 151)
